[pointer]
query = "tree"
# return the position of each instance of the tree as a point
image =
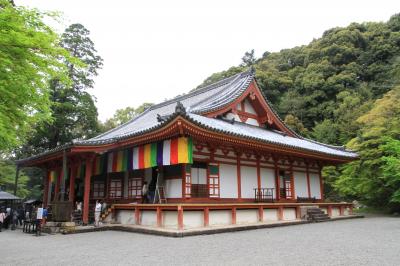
(29, 57)
(374, 178)
(74, 114)
(248, 59)
(122, 116)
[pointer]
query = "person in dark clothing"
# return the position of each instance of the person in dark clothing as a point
(21, 215)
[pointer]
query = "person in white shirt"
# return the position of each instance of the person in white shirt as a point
(97, 212)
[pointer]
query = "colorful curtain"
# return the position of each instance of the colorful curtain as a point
(119, 161)
(80, 172)
(99, 165)
(167, 152)
(53, 176)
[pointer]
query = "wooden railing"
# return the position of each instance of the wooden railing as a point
(264, 194)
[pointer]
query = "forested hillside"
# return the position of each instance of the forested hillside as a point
(328, 90)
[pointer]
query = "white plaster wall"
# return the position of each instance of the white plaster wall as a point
(268, 179)
(173, 188)
(249, 108)
(148, 218)
(246, 216)
(300, 184)
(335, 212)
(315, 186)
(220, 217)
(289, 214)
(270, 215)
(228, 181)
(170, 219)
(248, 181)
(252, 121)
(232, 115)
(124, 217)
(193, 219)
(346, 211)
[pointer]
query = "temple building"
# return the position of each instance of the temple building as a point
(217, 155)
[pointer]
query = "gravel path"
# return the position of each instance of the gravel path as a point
(369, 241)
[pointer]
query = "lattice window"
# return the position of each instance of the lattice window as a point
(135, 188)
(115, 190)
(213, 180)
(98, 189)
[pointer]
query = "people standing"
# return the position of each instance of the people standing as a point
(97, 212)
(20, 215)
(2, 218)
(79, 206)
(39, 217)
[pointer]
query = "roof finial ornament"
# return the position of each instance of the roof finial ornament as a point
(179, 108)
(252, 69)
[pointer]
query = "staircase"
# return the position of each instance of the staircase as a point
(106, 213)
(317, 215)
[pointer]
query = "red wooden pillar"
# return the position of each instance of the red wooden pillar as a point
(292, 188)
(206, 216)
(180, 217)
(350, 209)
(46, 188)
(239, 178)
(277, 181)
(308, 180)
(260, 214)
(137, 216)
(88, 175)
(74, 170)
(159, 217)
(57, 186)
(298, 214)
(280, 213)
(233, 215)
(321, 183)
(258, 173)
(329, 210)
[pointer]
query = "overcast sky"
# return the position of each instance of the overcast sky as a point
(154, 50)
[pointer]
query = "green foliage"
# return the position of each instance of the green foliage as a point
(74, 114)
(374, 179)
(295, 124)
(7, 179)
(122, 116)
(249, 58)
(29, 57)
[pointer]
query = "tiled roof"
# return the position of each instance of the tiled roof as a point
(268, 136)
(203, 100)
(199, 101)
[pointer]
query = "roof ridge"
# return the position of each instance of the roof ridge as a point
(250, 73)
(178, 98)
(197, 91)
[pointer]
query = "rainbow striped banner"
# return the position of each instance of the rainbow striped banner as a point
(167, 152)
(53, 176)
(119, 161)
(99, 165)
